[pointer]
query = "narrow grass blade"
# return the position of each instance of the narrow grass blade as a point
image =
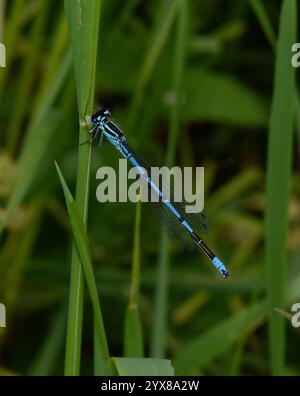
(236, 361)
(27, 77)
(261, 14)
(36, 143)
(201, 351)
(214, 97)
(279, 180)
(83, 21)
(54, 89)
(80, 237)
(142, 367)
(237, 185)
(29, 164)
(184, 313)
(158, 342)
(56, 52)
(117, 29)
(2, 9)
(133, 339)
(48, 354)
(158, 39)
(266, 25)
(23, 247)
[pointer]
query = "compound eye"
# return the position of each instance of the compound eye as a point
(93, 121)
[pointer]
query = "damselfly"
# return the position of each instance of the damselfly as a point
(176, 220)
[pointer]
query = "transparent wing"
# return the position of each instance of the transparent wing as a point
(174, 229)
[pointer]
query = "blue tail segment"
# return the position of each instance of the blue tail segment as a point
(221, 267)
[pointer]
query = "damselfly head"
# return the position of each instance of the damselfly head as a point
(98, 115)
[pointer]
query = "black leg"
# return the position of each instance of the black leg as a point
(94, 133)
(100, 140)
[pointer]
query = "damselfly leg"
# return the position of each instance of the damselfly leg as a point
(94, 133)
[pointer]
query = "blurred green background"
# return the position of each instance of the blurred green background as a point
(219, 58)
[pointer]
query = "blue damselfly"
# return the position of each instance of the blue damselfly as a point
(175, 219)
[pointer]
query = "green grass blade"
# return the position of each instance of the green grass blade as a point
(29, 165)
(158, 340)
(18, 264)
(2, 4)
(261, 14)
(26, 79)
(133, 338)
(201, 351)
(266, 25)
(166, 15)
(55, 88)
(81, 241)
(36, 143)
(158, 344)
(117, 28)
(83, 21)
(237, 357)
(54, 55)
(279, 174)
(298, 120)
(214, 97)
(231, 190)
(48, 354)
(143, 367)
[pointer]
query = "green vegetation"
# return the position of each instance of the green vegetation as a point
(93, 288)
